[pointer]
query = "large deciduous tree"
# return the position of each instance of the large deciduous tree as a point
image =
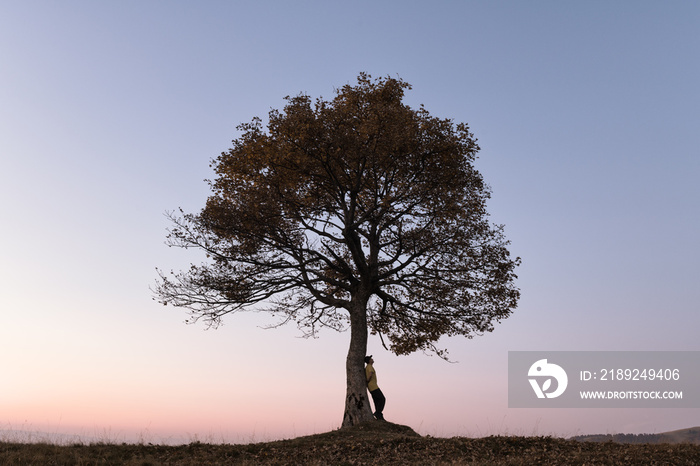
(357, 212)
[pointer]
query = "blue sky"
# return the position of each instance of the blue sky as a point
(587, 114)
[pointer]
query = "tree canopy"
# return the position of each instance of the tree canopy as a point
(359, 211)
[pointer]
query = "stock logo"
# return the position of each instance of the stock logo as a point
(544, 371)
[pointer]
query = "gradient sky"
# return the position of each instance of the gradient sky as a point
(588, 116)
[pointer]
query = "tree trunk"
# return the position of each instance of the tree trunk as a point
(357, 407)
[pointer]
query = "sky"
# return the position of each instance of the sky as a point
(587, 114)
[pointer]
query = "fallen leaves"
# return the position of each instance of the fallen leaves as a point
(377, 443)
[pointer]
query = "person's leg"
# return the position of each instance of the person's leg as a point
(379, 402)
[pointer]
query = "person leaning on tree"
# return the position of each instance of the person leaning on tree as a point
(377, 395)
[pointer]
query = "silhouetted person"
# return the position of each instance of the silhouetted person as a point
(377, 395)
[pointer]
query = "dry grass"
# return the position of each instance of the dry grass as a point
(372, 443)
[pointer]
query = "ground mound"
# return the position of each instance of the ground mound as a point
(367, 431)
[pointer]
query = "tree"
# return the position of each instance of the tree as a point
(359, 211)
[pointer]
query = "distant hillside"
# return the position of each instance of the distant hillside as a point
(691, 435)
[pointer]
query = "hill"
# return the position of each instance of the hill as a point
(371, 443)
(691, 435)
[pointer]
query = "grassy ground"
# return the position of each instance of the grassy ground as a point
(372, 443)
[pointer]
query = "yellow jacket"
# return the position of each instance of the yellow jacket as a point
(371, 376)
